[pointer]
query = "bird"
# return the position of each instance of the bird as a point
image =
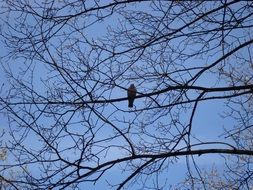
(131, 94)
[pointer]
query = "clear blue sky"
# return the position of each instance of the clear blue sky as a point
(207, 124)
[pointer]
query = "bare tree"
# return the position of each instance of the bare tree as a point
(69, 64)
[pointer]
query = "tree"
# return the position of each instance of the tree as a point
(69, 64)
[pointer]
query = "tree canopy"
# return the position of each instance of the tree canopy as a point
(66, 67)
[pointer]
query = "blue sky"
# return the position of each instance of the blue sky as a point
(207, 124)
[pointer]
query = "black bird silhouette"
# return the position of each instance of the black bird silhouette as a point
(131, 94)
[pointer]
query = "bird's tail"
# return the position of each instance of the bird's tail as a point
(130, 103)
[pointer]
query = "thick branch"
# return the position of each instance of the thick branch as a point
(141, 95)
(163, 155)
